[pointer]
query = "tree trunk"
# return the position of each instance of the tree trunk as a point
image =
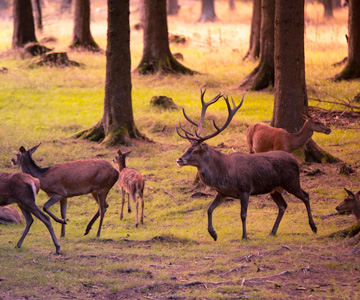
(82, 38)
(352, 68)
(117, 124)
(254, 46)
(207, 11)
(65, 6)
(290, 99)
(38, 14)
(263, 75)
(156, 52)
(328, 8)
(24, 28)
(232, 5)
(172, 7)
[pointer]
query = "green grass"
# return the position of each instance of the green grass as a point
(173, 248)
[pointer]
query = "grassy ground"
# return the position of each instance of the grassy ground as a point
(171, 256)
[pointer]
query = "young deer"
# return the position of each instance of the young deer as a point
(262, 137)
(69, 179)
(21, 189)
(131, 182)
(239, 175)
(351, 203)
(9, 215)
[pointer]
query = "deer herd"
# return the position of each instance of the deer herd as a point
(268, 168)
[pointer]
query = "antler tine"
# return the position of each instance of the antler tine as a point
(205, 105)
(187, 118)
(232, 112)
(188, 135)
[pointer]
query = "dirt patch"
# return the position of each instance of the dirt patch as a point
(337, 118)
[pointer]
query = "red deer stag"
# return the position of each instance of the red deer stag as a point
(21, 189)
(131, 182)
(262, 137)
(69, 179)
(239, 175)
(351, 203)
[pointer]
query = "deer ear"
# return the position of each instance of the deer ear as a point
(350, 193)
(119, 152)
(126, 154)
(22, 149)
(33, 149)
(305, 117)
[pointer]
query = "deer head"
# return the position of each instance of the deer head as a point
(198, 148)
(315, 125)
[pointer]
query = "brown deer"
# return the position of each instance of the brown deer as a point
(21, 189)
(262, 137)
(9, 215)
(351, 203)
(131, 183)
(69, 179)
(239, 175)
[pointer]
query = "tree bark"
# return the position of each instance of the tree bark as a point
(232, 6)
(352, 68)
(82, 38)
(24, 28)
(254, 45)
(173, 7)
(207, 11)
(38, 14)
(263, 75)
(156, 52)
(290, 99)
(117, 125)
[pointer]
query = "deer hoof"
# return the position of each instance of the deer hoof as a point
(129, 210)
(213, 234)
(137, 225)
(313, 228)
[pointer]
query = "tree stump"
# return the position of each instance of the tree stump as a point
(54, 59)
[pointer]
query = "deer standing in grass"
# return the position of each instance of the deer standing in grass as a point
(21, 189)
(239, 175)
(69, 179)
(351, 203)
(131, 183)
(262, 137)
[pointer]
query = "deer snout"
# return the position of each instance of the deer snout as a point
(13, 161)
(327, 131)
(180, 162)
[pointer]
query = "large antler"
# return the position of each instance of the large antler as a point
(196, 137)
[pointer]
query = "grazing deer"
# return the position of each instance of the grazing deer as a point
(21, 189)
(262, 137)
(239, 175)
(9, 215)
(351, 203)
(131, 182)
(69, 179)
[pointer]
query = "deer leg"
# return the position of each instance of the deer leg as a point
(122, 203)
(219, 199)
(280, 202)
(244, 201)
(95, 217)
(43, 218)
(133, 196)
(102, 208)
(304, 197)
(53, 199)
(129, 208)
(63, 207)
(142, 208)
(29, 220)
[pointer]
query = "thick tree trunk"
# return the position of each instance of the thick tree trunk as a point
(24, 28)
(207, 11)
(263, 75)
(290, 99)
(352, 68)
(254, 46)
(173, 7)
(82, 38)
(38, 14)
(117, 124)
(156, 52)
(232, 6)
(328, 8)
